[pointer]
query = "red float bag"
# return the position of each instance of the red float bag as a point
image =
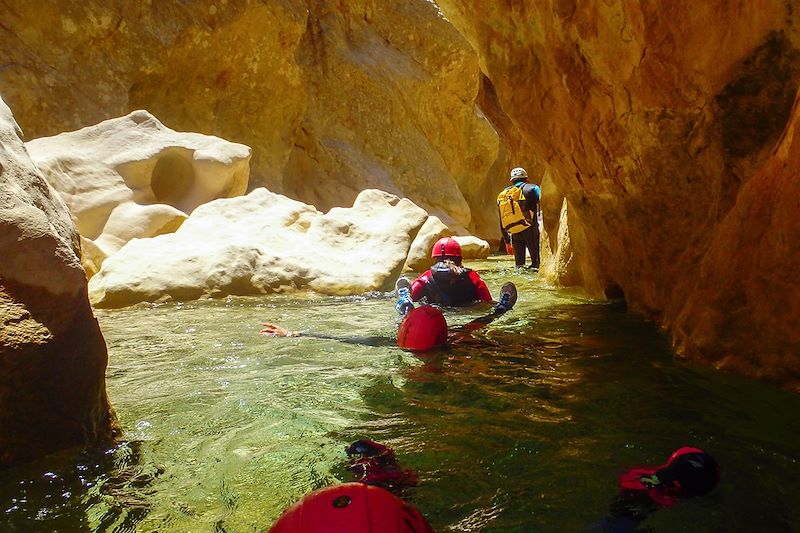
(422, 328)
(351, 508)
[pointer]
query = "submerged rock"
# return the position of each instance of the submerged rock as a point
(52, 355)
(132, 177)
(264, 243)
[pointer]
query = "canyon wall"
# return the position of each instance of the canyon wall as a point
(52, 354)
(333, 97)
(659, 123)
(663, 126)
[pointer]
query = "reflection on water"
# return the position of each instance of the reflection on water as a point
(524, 429)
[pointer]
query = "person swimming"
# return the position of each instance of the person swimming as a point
(422, 328)
(689, 472)
(372, 503)
(375, 464)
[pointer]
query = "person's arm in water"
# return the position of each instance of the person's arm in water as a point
(508, 298)
(463, 333)
(481, 290)
(274, 330)
(418, 286)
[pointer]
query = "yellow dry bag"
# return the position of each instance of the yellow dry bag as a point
(513, 217)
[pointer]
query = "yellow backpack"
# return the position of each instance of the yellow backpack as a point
(513, 218)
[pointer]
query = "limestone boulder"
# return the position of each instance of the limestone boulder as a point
(132, 177)
(265, 243)
(472, 247)
(419, 256)
(92, 257)
(52, 354)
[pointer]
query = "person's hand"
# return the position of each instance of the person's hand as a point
(275, 330)
(509, 249)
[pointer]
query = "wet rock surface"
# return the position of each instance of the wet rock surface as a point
(52, 354)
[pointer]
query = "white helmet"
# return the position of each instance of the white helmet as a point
(518, 174)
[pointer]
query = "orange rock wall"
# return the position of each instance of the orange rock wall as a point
(333, 97)
(659, 122)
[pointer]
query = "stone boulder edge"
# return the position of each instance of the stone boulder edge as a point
(265, 243)
(132, 177)
(419, 256)
(52, 354)
(472, 247)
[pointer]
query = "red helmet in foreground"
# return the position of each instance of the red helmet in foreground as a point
(351, 508)
(446, 247)
(423, 328)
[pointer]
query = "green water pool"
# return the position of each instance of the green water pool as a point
(525, 429)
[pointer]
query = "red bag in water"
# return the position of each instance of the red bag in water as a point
(422, 328)
(351, 508)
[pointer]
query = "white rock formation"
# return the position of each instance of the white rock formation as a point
(472, 247)
(263, 243)
(419, 256)
(132, 177)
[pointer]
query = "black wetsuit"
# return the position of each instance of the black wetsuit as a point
(440, 289)
(529, 237)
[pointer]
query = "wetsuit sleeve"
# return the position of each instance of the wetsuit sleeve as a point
(418, 286)
(481, 290)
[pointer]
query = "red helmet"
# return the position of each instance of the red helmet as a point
(353, 507)
(446, 247)
(423, 328)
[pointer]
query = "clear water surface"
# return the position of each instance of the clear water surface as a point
(524, 430)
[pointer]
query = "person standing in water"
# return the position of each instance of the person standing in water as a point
(518, 206)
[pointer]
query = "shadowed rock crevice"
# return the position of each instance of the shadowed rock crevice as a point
(173, 179)
(755, 106)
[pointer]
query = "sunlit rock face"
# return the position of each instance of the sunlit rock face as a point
(657, 120)
(52, 355)
(333, 97)
(132, 177)
(265, 243)
(472, 247)
(419, 255)
(747, 283)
